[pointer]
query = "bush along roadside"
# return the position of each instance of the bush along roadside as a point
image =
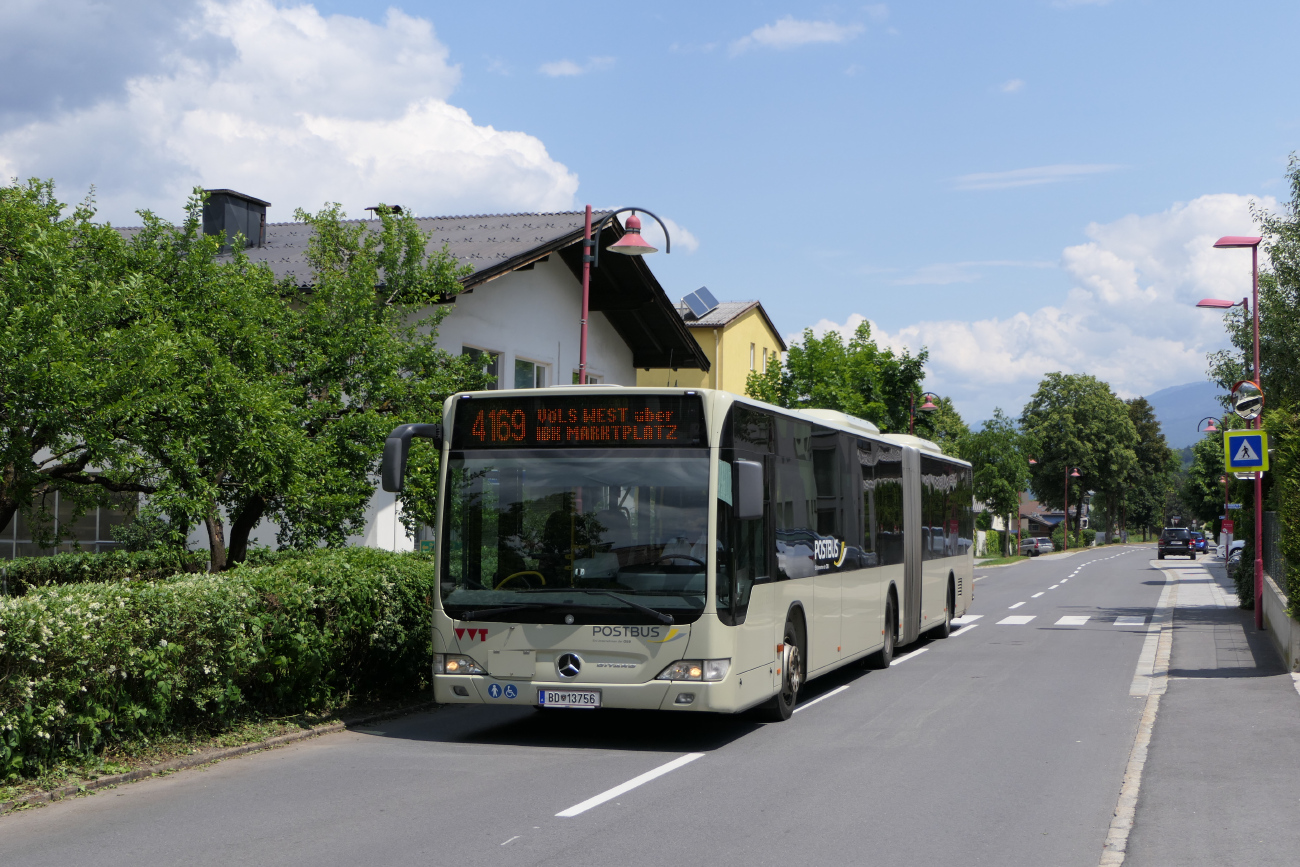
(18, 576)
(84, 666)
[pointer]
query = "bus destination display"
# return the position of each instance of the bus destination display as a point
(600, 421)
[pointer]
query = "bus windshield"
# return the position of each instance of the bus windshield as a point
(576, 536)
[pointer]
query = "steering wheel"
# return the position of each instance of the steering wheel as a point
(506, 580)
(703, 565)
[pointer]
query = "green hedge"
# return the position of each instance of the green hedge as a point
(74, 568)
(85, 665)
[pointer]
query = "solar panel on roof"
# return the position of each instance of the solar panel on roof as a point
(701, 301)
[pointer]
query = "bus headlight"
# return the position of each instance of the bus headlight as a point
(696, 669)
(454, 663)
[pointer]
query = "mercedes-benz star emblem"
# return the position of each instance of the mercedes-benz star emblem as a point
(568, 664)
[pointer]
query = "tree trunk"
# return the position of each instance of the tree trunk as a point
(242, 526)
(216, 540)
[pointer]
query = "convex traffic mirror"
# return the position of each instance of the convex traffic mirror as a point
(1247, 400)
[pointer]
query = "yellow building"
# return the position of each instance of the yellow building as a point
(736, 336)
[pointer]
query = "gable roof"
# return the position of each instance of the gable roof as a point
(622, 288)
(727, 312)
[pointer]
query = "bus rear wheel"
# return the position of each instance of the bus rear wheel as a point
(780, 707)
(944, 629)
(885, 655)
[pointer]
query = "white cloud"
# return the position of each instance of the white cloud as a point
(877, 12)
(1029, 177)
(789, 32)
(1130, 318)
(683, 239)
(566, 68)
(298, 108)
(1015, 85)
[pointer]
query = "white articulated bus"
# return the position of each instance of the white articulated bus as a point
(678, 549)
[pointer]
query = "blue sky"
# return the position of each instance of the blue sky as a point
(1020, 186)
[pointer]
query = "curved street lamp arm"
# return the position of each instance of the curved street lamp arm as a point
(594, 241)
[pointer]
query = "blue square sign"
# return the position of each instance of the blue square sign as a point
(1245, 450)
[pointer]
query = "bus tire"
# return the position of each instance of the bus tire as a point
(780, 707)
(885, 655)
(943, 630)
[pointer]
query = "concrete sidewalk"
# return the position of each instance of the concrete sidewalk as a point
(1222, 778)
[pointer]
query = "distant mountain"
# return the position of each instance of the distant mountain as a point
(1180, 407)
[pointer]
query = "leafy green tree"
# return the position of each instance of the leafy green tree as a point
(1074, 421)
(1143, 490)
(364, 358)
(859, 378)
(1001, 469)
(70, 318)
(1202, 488)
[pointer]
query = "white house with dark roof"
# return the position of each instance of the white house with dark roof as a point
(520, 308)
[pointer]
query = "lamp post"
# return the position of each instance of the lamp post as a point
(1234, 242)
(631, 244)
(1070, 474)
(928, 406)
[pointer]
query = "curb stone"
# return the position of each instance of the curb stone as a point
(205, 757)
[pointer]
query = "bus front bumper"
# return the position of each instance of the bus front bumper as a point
(655, 695)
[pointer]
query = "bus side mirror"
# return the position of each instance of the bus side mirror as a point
(398, 446)
(749, 490)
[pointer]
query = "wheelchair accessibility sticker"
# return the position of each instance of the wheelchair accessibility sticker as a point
(495, 690)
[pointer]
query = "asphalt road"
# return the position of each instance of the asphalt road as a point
(1005, 744)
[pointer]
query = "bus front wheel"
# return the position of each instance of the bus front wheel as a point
(781, 706)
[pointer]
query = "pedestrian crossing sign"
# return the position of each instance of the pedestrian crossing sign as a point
(1245, 450)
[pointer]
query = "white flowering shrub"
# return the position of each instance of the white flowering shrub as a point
(84, 665)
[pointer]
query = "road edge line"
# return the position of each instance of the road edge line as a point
(1115, 849)
(624, 788)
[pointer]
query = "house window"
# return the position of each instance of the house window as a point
(490, 363)
(529, 374)
(765, 359)
(751, 356)
(92, 531)
(592, 379)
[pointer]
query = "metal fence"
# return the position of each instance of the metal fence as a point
(1274, 562)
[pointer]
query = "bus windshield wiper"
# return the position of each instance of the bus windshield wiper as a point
(480, 613)
(661, 616)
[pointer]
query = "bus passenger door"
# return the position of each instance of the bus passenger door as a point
(755, 607)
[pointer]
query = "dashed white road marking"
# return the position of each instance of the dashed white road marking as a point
(1016, 620)
(1131, 621)
(1036, 595)
(1017, 605)
(966, 618)
(1073, 620)
(1063, 580)
(512, 839)
(971, 626)
(906, 656)
(1054, 586)
(610, 794)
(821, 698)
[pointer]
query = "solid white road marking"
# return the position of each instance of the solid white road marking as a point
(821, 698)
(966, 618)
(1017, 605)
(906, 656)
(1131, 621)
(972, 626)
(631, 784)
(1072, 620)
(1036, 595)
(1016, 620)
(1295, 679)
(515, 837)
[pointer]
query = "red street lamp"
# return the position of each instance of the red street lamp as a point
(928, 406)
(631, 244)
(1209, 428)
(1233, 242)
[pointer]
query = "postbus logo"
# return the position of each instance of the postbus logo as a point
(832, 550)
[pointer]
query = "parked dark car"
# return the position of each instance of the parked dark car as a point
(1175, 541)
